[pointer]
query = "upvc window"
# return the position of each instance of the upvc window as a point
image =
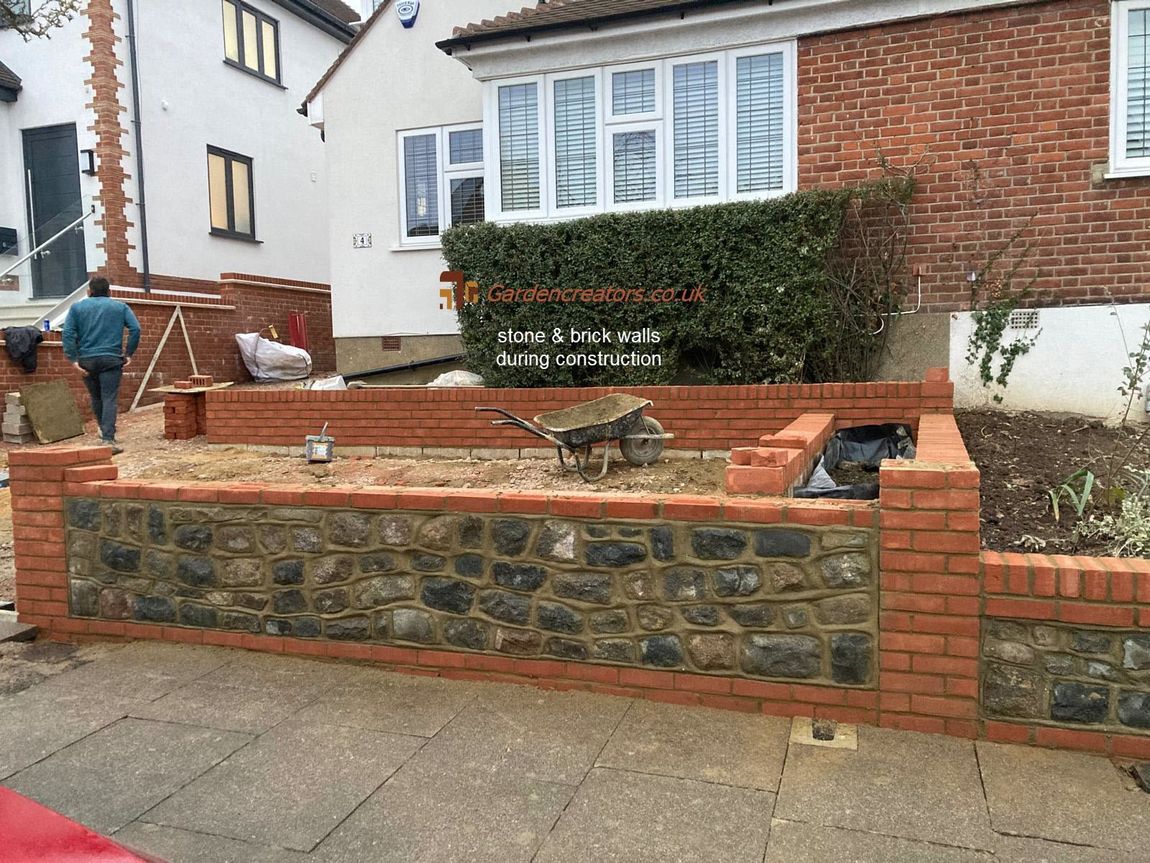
(441, 181)
(231, 194)
(677, 131)
(1130, 88)
(251, 40)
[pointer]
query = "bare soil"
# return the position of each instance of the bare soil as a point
(1022, 456)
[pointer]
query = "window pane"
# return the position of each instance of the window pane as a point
(271, 67)
(576, 183)
(1138, 85)
(218, 192)
(696, 129)
(633, 92)
(467, 201)
(635, 166)
(760, 123)
(231, 34)
(241, 196)
(251, 49)
(421, 179)
(519, 146)
(465, 148)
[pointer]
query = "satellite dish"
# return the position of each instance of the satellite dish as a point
(408, 11)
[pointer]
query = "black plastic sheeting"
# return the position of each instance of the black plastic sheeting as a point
(865, 446)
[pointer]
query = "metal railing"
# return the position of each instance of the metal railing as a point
(43, 246)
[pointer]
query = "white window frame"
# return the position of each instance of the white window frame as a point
(790, 122)
(552, 164)
(1120, 164)
(720, 59)
(610, 131)
(493, 185)
(609, 93)
(446, 173)
(661, 121)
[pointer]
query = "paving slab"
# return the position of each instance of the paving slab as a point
(143, 670)
(792, 842)
(1063, 796)
(709, 745)
(263, 671)
(550, 736)
(35, 723)
(229, 708)
(1011, 849)
(457, 816)
(109, 778)
(397, 703)
(290, 787)
(898, 783)
(182, 846)
(637, 818)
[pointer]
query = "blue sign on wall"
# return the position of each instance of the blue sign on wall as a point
(408, 11)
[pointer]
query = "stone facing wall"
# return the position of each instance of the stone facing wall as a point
(1067, 675)
(773, 602)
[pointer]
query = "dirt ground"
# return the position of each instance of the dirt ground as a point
(1021, 456)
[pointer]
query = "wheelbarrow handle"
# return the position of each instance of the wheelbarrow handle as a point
(520, 423)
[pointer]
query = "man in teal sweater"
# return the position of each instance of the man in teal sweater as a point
(94, 344)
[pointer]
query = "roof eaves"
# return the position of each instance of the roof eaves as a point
(320, 18)
(343, 55)
(466, 40)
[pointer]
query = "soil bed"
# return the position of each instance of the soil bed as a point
(1021, 457)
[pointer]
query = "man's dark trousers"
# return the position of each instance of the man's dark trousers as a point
(103, 383)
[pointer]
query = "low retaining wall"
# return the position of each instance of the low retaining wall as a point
(407, 421)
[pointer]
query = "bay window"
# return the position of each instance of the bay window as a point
(677, 131)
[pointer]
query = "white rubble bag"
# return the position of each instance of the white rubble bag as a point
(457, 379)
(271, 361)
(336, 383)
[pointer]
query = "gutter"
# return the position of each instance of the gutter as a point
(139, 136)
(592, 23)
(319, 18)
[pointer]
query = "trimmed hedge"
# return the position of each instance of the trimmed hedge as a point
(770, 312)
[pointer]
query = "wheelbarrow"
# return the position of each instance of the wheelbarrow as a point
(573, 431)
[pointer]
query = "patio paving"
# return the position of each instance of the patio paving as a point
(211, 755)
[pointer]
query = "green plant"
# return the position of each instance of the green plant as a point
(1078, 497)
(1129, 388)
(994, 295)
(1128, 531)
(779, 305)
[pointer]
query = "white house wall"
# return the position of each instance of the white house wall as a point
(395, 79)
(189, 99)
(53, 72)
(1075, 365)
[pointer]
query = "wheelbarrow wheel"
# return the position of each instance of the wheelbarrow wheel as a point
(643, 451)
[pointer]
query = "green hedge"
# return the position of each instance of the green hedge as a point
(771, 311)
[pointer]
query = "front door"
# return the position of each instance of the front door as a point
(52, 189)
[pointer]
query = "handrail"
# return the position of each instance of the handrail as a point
(91, 212)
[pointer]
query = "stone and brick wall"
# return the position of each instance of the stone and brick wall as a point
(967, 99)
(703, 419)
(713, 597)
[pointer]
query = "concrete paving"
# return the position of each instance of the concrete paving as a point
(218, 756)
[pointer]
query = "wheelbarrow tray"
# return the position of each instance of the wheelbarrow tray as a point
(605, 419)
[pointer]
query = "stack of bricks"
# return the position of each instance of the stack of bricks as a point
(180, 417)
(202, 380)
(15, 426)
(781, 460)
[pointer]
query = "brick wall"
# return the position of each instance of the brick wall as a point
(237, 306)
(1020, 93)
(701, 418)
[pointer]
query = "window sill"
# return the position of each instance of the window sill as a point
(230, 235)
(241, 67)
(428, 247)
(1127, 174)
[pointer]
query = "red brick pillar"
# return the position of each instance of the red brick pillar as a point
(37, 478)
(181, 420)
(930, 586)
